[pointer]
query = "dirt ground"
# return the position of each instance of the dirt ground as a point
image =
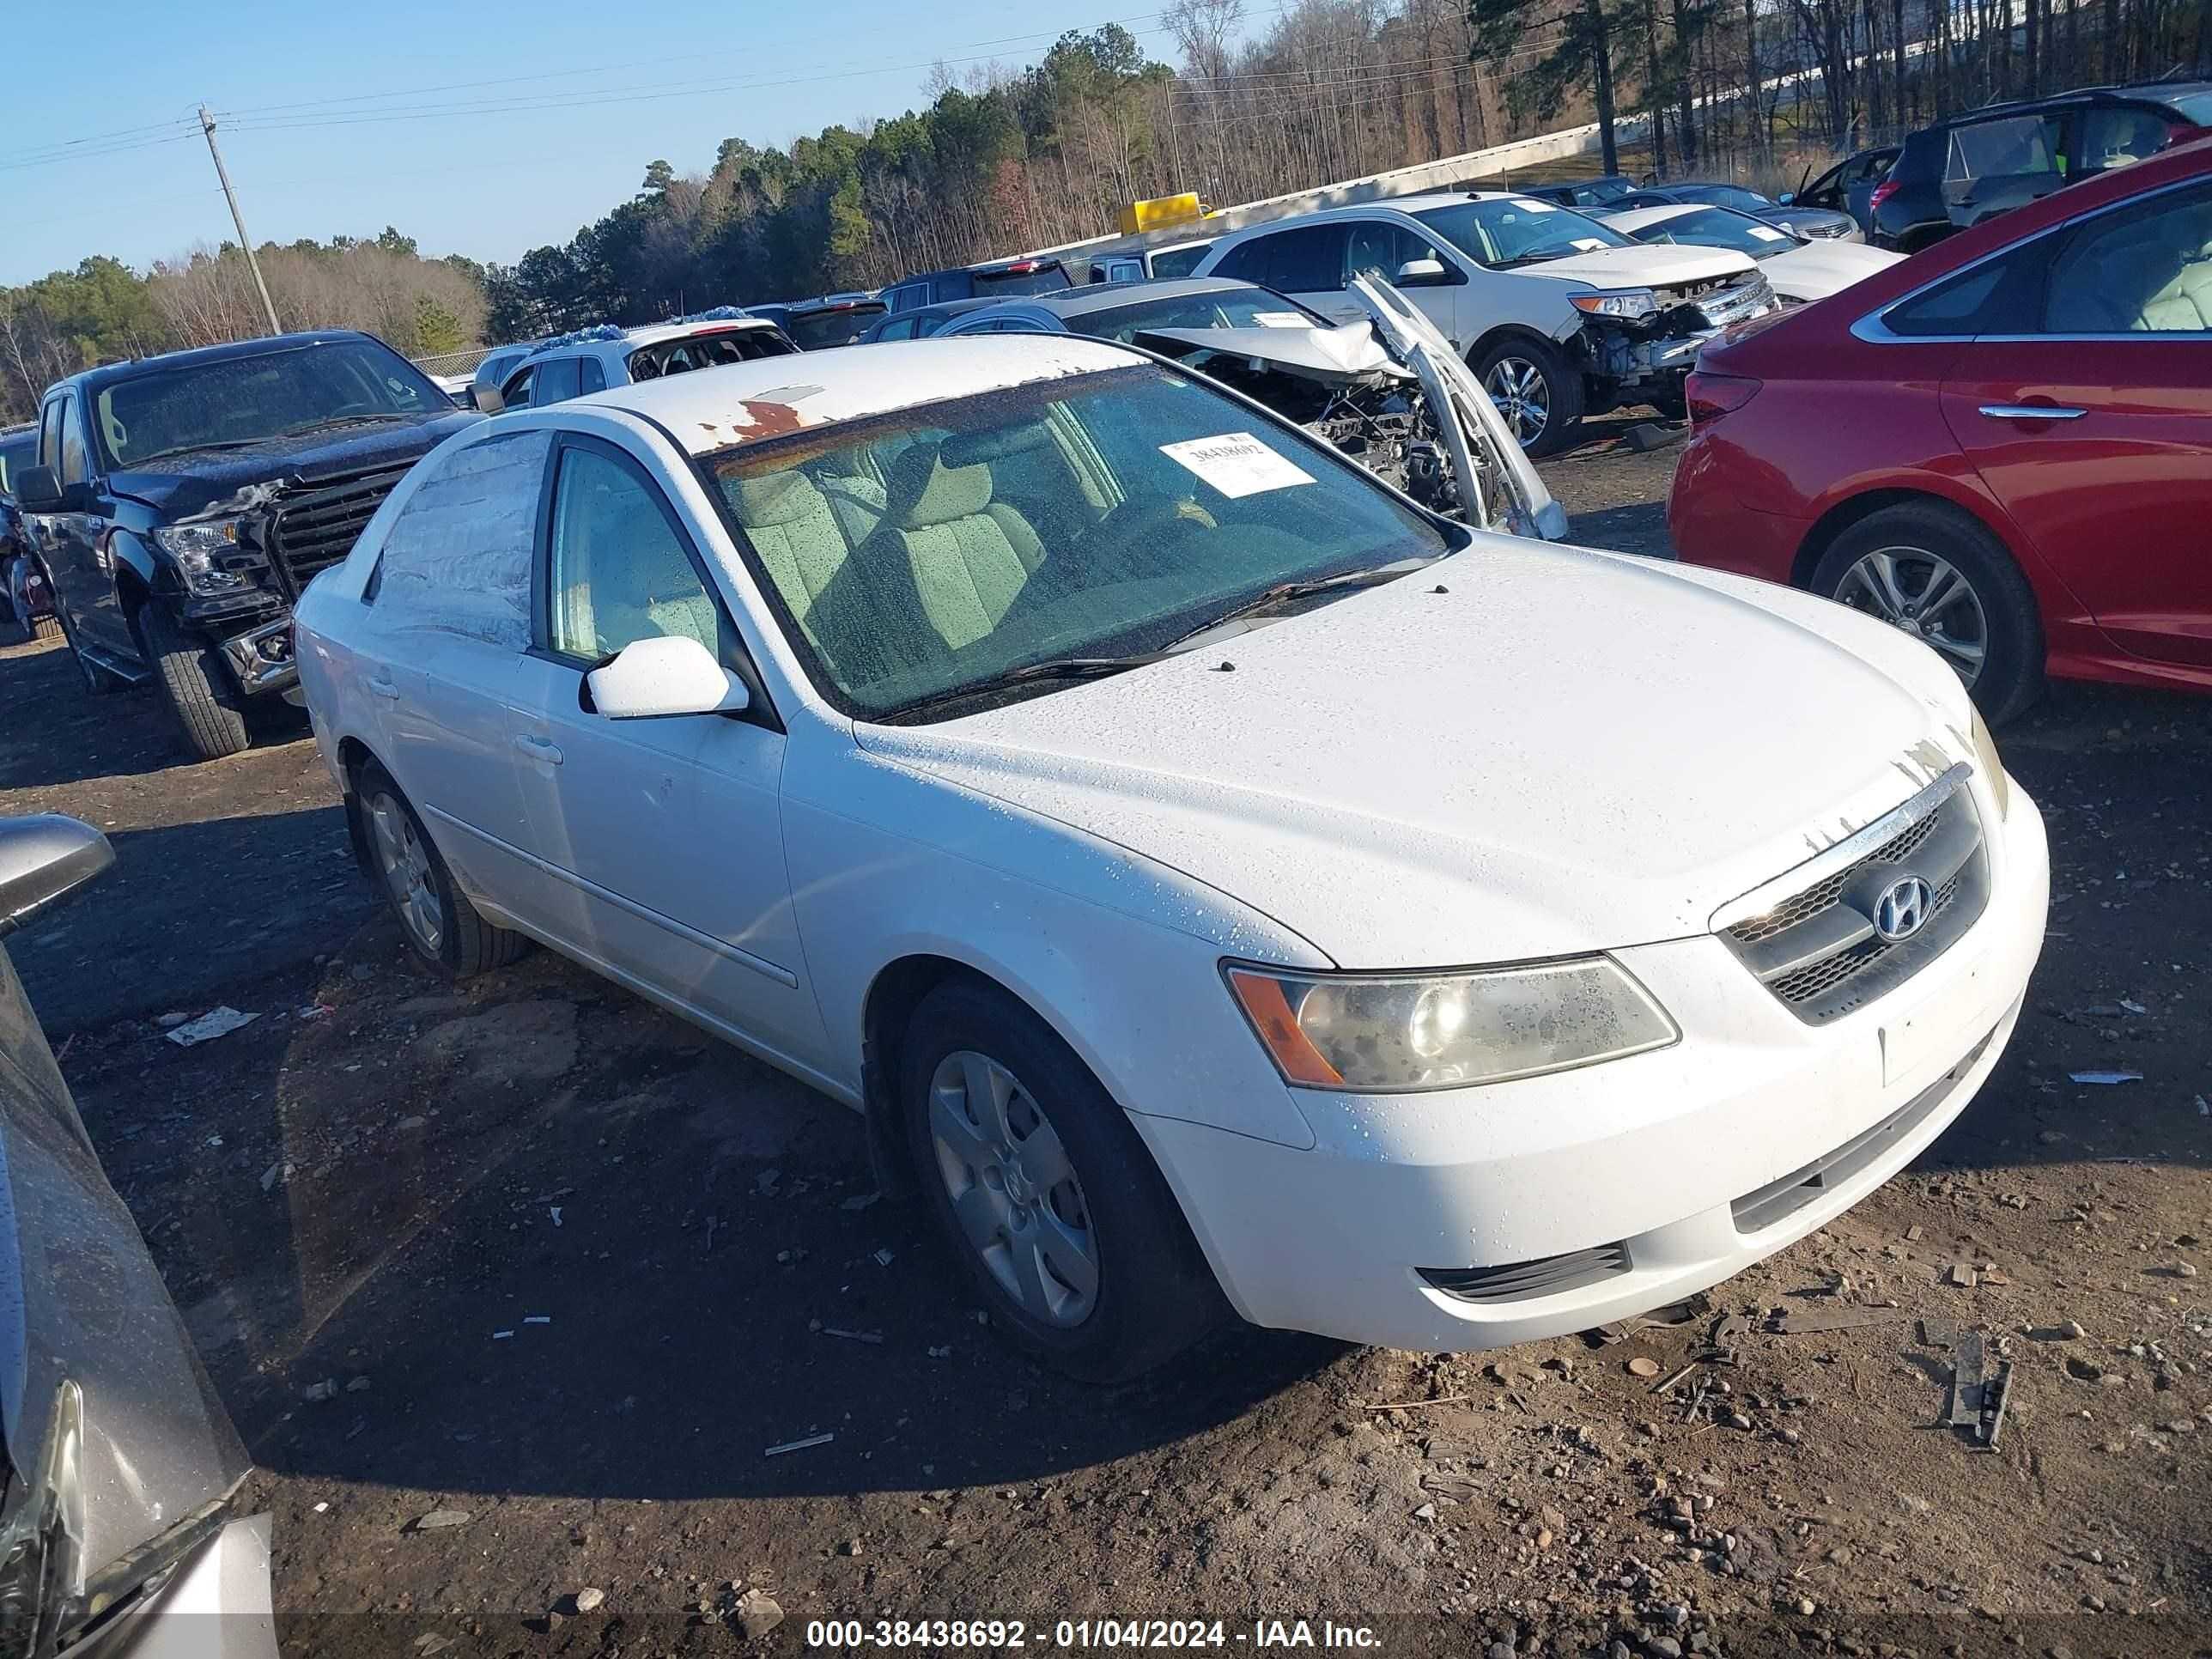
(513, 1290)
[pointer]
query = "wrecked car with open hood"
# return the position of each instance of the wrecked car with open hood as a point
(183, 502)
(121, 1533)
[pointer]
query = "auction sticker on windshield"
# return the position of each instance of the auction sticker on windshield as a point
(1766, 234)
(1278, 319)
(1235, 464)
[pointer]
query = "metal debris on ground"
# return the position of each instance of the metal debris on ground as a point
(1843, 1318)
(854, 1336)
(884, 1258)
(2105, 1077)
(1995, 1396)
(216, 1022)
(1662, 1387)
(1966, 1381)
(799, 1445)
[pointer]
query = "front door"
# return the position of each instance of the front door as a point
(663, 838)
(73, 543)
(2114, 484)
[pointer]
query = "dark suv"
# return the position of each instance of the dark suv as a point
(181, 502)
(1977, 164)
(1002, 279)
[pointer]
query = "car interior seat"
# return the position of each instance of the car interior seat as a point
(969, 555)
(2155, 277)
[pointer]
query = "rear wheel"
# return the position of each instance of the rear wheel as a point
(209, 708)
(1538, 392)
(444, 928)
(1942, 578)
(1044, 1190)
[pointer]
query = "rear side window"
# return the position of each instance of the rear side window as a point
(1180, 262)
(2143, 268)
(2118, 136)
(1306, 260)
(456, 559)
(2008, 148)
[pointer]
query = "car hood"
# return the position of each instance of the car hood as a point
(177, 486)
(82, 1301)
(1658, 266)
(1522, 751)
(1820, 269)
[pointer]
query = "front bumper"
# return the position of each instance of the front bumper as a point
(261, 659)
(1654, 1176)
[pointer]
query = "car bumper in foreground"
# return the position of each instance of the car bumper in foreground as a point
(1476, 1218)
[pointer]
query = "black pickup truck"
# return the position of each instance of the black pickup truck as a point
(181, 504)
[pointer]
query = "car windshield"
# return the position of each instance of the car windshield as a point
(239, 400)
(1501, 231)
(1038, 279)
(15, 454)
(817, 330)
(1085, 517)
(1598, 191)
(2197, 106)
(1228, 307)
(1718, 227)
(1733, 196)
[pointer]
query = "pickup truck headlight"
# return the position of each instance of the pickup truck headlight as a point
(1377, 1033)
(195, 546)
(1624, 305)
(1992, 765)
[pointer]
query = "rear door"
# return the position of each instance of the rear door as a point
(2110, 331)
(1995, 166)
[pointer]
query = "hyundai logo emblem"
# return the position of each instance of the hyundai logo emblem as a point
(1902, 910)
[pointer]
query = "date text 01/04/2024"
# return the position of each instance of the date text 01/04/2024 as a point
(1085, 1633)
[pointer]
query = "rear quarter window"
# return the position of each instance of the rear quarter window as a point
(456, 558)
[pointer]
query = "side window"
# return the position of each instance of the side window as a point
(2145, 268)
(1246, 261)
(2006, 149)
(2114, 137)
(620, 570)
(74, 468)
(515, 394)
(902, 329)
(456, 557)
(594, 377)
(905, 298)
(1999, 297)
(1307, 260)
(49, 436)
(1373, 251)
(557, 379)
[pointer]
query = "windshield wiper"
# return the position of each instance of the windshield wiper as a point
(1052, 668)
(334, 420)
(187, 449)
(1291, 593)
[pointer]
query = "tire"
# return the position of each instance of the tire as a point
(210, 709)
(440, 926)
(1990, 611)
(97, 681)
(1519, 371)
(1148, 1293)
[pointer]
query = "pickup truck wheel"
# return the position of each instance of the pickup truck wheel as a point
(1942, 578)
(444, 928)
(1059, 1216)
(1538, 392)
(208, 705)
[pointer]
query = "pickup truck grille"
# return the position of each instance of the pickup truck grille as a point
(1816, 948)
(313, 527)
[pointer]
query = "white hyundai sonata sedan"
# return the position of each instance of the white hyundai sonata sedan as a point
(1217, 881)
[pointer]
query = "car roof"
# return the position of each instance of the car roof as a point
(627, 340)
(1105, 296)
(109, 374)
(2140, 91)
(1416, 204)
(711, 409)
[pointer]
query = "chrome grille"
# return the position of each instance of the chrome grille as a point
(1814, 945)
(1749, 295)
(315, 526)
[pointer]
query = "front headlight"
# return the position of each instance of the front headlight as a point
(1627, 304)
(1374, 1033)
(195, 546)
(1992, 765)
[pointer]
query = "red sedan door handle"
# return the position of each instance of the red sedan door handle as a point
(2031, 412)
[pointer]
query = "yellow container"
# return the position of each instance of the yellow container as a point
(1160, 212)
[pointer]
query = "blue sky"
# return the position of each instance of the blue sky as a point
(614, 89)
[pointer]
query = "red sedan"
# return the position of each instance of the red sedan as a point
(2003, 445)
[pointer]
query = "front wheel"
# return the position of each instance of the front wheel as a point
(1537, 390)
(210, 709)
(1055, 1209)
(1942, 578)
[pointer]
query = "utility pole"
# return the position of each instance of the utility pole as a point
(207, 126)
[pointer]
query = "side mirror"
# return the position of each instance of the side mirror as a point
(1423, 273)
(488, 398)
(1785, 198)
(667, 675)
(45, 858)
(38, 490)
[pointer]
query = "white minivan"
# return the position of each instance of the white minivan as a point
(1223, 885)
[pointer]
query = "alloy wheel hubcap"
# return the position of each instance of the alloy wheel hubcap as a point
(1928, 597)
(1014, 1192)
(1516, 386)
(406, 865)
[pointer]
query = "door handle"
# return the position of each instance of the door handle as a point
(540, 749)
(2031, 412)
(384, 689)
